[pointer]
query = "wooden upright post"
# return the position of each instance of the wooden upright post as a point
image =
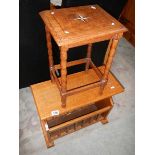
(107, 52)
(63, 57)
(110, 57)
(50, 53)
(89, 50)
(49, 141)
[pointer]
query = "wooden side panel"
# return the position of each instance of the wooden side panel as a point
(103, 108)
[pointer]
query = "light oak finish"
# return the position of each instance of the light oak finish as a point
(107, 52)
(82, 118)
(74, 117)
(47, 96)
(50, 53)
(75, 26)
(98, 26)
(63, 57)
(72, 63)
(89, 50)
(49, 142)
(110, 57)
(85, 97)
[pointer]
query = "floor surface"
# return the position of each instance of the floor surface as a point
(114, 138)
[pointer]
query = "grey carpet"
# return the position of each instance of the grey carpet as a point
(114, 138)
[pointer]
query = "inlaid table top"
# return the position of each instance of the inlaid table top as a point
(77, 26)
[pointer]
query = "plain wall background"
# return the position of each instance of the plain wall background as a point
(33, 58)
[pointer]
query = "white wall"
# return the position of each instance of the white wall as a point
(56, 2)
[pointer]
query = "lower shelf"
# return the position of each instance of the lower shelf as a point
(78, 119)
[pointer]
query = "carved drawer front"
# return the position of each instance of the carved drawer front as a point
(78, 119)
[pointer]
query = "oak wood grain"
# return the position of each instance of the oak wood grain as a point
(66, 30)
(47, 96)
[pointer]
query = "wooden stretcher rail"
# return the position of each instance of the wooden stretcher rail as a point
(56, 79)
(83, 88)
(98, 72)
(72, 63)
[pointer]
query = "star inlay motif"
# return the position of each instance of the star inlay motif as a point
(82, 18)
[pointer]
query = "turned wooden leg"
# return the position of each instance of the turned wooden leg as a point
(102, 85)
(49, 142)
(50, 53)
(63, 56)
(89, 50)
(111, 52)
(110, 57)
(107, 52)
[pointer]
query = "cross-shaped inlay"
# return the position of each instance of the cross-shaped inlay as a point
(82, 18)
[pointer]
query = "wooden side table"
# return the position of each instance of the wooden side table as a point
(76, 26)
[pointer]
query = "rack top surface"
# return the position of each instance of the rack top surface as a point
(47, 97)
